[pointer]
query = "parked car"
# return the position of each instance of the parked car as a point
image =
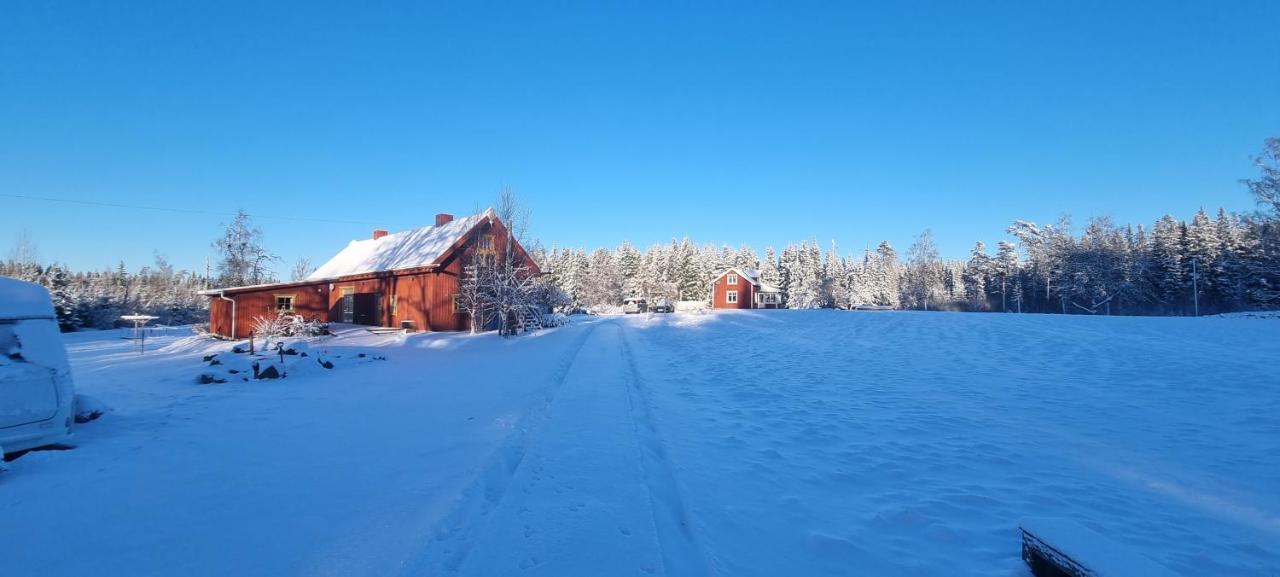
(37, 396)
(662, 306)
(632, 306)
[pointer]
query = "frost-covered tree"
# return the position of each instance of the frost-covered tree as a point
(1167, 252)
(629, 267)
(243, 259)
(1006, 267)
(924, 273)
(301, 269)
(1266, 187)
(976, 273)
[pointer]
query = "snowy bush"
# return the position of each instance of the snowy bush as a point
(554, 320)
(274, 328)
(545, 293)
(605, 309)
(691, 306)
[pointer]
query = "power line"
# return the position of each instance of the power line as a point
(197, 211)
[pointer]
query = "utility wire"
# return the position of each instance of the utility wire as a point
(197, 211)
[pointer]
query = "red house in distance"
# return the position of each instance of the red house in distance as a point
(407, 279)
(739, 289)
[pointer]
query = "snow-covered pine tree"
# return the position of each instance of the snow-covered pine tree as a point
(976, 273)
(1008, 274)
(1202, 251)
(629, 266)
(769, 268)
(1167, 253)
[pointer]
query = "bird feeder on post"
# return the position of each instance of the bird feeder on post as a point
(139, 332)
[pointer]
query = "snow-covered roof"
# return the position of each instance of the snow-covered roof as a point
(23, 300)
(753, 277)
(407, 249)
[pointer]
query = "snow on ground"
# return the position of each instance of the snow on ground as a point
(729, 443)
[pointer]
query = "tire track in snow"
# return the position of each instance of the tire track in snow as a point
(682, 554)
(452, 538)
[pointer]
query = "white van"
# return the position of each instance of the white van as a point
(36, 393)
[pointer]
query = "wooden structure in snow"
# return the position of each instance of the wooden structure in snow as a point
(1064, 548)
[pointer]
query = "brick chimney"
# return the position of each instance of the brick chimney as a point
(443, 218)
(378, 233)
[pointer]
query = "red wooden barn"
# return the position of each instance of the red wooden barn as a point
(406, 279)
(739, 289)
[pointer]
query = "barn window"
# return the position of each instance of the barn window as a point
(284, 303)
(733, 278)
(485, 243)
(457, 304)
(731, 297)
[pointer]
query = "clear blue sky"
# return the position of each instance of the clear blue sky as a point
(740, 122)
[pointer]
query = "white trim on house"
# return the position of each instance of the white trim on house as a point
(732, 278)
(731, 297)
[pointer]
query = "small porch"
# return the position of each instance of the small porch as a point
(767, 300)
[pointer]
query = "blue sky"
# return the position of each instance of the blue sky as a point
(740, 122)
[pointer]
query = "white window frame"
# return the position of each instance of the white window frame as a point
(293, 301)
(731, 297)
(732, 279)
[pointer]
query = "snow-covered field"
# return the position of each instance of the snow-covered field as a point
(745, 443)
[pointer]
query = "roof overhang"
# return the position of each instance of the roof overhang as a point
(319, 281)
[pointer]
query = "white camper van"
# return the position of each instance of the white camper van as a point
(36, 393)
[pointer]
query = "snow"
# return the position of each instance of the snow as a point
(407, 249)
(24, 300)
(728, 443)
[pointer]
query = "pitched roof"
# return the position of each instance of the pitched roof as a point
(753, 277)
(420, 247)
(406, 249)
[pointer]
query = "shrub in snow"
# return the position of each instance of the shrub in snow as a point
(89, 408)
(554, 320)
(607, 309)
(691, 306)
(272, 328)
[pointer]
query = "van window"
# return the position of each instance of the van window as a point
(35, 341)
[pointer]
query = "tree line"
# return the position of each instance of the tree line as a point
(96, 299)
(1207, 264)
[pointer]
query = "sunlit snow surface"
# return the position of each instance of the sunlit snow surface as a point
(742, 443)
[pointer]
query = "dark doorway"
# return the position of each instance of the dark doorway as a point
(366, 308)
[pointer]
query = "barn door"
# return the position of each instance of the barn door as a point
(366, 308)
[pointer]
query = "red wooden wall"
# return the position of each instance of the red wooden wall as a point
(719, 294)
